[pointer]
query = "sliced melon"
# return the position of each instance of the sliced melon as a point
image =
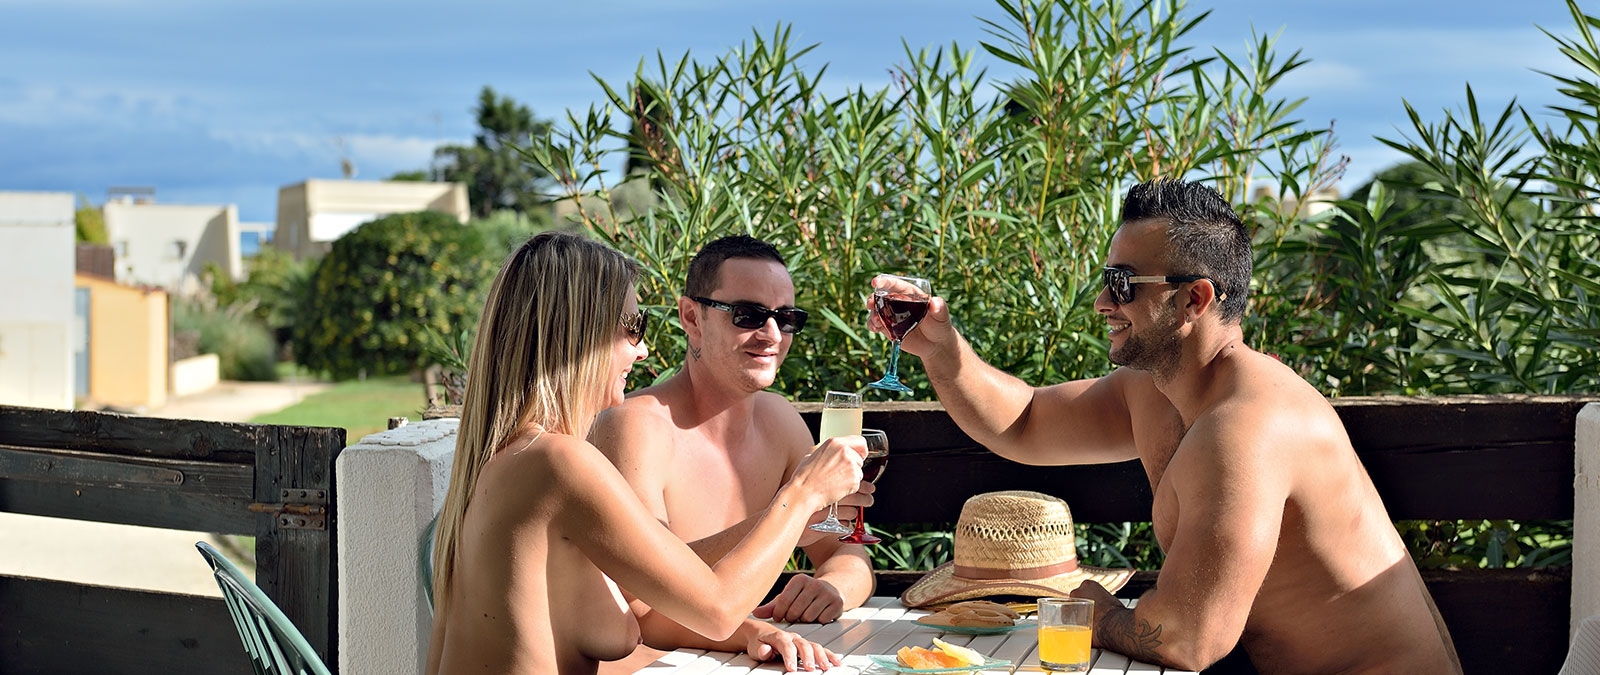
(923, 658)
(966, 655)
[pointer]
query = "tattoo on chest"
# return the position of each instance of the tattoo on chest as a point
(1120, 632)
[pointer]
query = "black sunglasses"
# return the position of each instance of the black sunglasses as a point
(751, 317)
(634, 325)
(1120, 283)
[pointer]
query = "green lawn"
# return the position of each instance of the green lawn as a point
(360, 407)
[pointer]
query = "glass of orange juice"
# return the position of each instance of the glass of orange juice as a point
(1065, 628)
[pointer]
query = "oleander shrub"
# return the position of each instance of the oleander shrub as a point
(1004, 192)
(384, 287)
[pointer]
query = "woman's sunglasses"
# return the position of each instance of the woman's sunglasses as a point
(751, 317)
(1120, 283)
(634, 325)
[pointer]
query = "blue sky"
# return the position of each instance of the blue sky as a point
(224, 102)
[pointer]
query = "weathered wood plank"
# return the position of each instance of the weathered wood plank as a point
(110, 433)
(210, 497)
(49, 627)
(930, 487)
(220, 478)
(295, 567)
(167, 508)
(1468, 457)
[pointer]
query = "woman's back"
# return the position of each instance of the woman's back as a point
(524, 598)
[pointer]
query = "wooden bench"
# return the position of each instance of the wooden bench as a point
(1457, 458)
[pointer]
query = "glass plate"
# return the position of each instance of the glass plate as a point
(982, 630)
(890, 662)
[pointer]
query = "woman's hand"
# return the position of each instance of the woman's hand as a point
(767, 642)
(831, 472)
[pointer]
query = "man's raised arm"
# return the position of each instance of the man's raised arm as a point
(1080, 422)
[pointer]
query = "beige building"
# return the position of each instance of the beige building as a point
(169, 245)
(311, 215)
(127, 328)
(37, 335)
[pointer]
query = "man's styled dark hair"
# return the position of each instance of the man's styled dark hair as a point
(705, 265)
(1205, 236)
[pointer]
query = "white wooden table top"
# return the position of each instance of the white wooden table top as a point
(882, 626)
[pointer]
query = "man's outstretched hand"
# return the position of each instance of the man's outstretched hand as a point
(932, 333)
(804, 600)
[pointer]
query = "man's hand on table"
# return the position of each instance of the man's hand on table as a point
(804, 599)
(769, 642)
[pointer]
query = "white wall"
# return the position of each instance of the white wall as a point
(146, 238)
(1586, 517)
(37, 259)
(314, 213)
(390, 485)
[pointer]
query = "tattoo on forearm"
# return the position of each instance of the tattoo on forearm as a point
(1119, 633)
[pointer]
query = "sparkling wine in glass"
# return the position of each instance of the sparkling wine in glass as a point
(841, 416)
(900, 304)
(871, 471)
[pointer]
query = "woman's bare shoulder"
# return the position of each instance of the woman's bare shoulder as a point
(536, 459)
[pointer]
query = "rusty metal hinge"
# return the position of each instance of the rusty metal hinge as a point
(298, 509)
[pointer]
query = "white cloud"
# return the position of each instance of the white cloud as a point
(34, 104)
(1325, 77)
(375, 156)
(392, 153)
(1478, 53)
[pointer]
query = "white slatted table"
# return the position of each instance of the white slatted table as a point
(882, 626)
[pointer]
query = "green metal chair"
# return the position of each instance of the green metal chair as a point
(425, 560)
(275, 646)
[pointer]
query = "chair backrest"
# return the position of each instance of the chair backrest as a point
(1583, 657)
(275, 646)
(425, 560)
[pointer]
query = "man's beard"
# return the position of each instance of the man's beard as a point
(1154, 349)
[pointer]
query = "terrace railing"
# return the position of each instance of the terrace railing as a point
(272, 482)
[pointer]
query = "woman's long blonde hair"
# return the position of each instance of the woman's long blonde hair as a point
(542, 356)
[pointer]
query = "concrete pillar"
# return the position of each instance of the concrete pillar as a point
(390, 485)
(1586, 518)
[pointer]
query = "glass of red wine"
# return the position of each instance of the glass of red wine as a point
(900, 303)
(871, 470)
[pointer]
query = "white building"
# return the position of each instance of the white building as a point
(169, 245)
(37, 335)
(311, 215)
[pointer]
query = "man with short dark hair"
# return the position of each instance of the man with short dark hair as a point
(707, 448)
(1275, 538)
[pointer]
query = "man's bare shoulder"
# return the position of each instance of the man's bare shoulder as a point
(779, 418)
(639, 426)
(638, 408)
(1268, 406)
(775, 406)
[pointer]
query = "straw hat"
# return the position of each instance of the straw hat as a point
(1011, 543)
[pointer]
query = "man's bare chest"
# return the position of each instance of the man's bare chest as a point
(712, 487)
(1158, 446)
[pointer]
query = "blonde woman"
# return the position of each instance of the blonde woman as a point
(538, 523)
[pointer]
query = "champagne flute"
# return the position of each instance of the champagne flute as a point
(900, 307)
(871, 470)
(841, 416)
